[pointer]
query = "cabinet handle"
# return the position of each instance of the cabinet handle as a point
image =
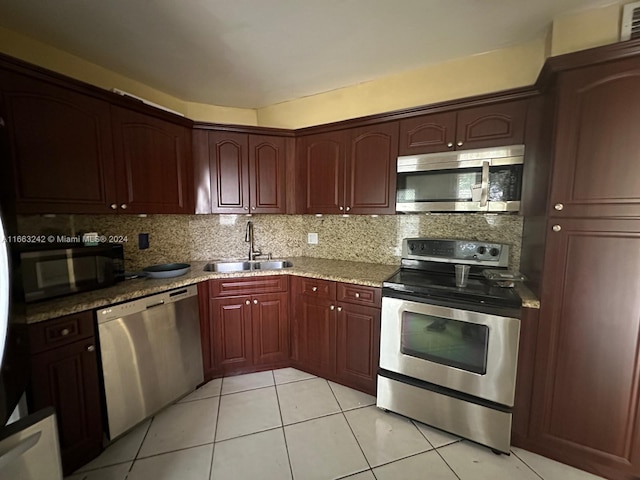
(114, 206)
(348, 208)
(558, 206)
(332, 307)
(255, 302)
(253, 208)
(246, 208)
(357, 295)
(450, 145)
(341, 208)
(314, 289)
(123, 206)
(460, 144)
(556, 228)
(64, 332)
(339, 309)
(91, 348)
(248, 302)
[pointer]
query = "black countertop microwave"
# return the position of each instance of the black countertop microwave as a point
(55, 270)
(483, 180)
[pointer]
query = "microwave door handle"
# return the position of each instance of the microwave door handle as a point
(484, 194)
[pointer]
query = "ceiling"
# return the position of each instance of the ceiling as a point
(253, 53)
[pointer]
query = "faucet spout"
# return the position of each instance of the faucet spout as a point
(248, 237)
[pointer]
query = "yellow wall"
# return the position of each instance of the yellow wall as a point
(38, 53)
(498, 70)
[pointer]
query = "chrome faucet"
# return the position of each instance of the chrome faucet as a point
(248, 237)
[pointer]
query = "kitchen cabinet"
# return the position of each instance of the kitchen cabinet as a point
(598, 146)
(153, 164)
(242, 172)
(350, 171)
(245, 326)
(64, 375)
(58, 166)
(336, 331)
(490, 125)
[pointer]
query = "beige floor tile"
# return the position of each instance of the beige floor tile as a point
(348, 398)
(250, 381)
(113, 472)
(287, 375)
(305, 400)
(248, 412)
(436, 437)
(550, 469)
(210, 389)
(425, 466)
(190, 464)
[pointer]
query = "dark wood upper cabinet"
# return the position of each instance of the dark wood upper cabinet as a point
(239, 172)
(597, 151)
(586, 396)
(153, 160)
(476, 127)
(350, 171)
(60, 145)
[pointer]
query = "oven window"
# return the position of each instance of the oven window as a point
(448, 342)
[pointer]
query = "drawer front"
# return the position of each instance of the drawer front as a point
(318, 288)
(227, 287)
(360, 295)
(61, 331)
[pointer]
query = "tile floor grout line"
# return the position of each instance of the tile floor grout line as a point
(176, 450)
(215, 432)
(135, 458)
(530, 467)
(422, 434)
(284, 435)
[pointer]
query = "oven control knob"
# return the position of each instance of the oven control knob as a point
(412, 246)
(482, 250)
(494, 252)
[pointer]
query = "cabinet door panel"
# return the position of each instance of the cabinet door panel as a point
(267, 157)
(586, 387)
(322, 156)
(316, 336)
(67, 379)
(491, 125)
(154, 164)
(232, 332)
(229, 160)
(358, 346)
(427, 133)
(598, 144)
(371, 169)
(270, 322)
(61, 147)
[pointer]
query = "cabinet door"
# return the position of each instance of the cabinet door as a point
(67, 379)
(586, 390)
(358, 346)
(154, 169)
(231, 318)
(267, 167)
(322, 157)
(270, 324)
(229, 165)
(428, 133)
(597, 151)
(316, 334)
(60, 145)
(371, 170)
(491, 125)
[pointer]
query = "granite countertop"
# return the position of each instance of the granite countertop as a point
(360, 273)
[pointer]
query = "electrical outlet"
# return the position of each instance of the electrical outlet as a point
(312, 238)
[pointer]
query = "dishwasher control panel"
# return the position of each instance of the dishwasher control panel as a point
(145, 303)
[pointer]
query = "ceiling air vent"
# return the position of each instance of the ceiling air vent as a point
(630, 21)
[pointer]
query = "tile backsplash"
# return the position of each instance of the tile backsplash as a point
(180, 238)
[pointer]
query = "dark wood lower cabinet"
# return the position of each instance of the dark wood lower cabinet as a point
(316, 333)
(232, 333)
(270, 328)
(67, 379)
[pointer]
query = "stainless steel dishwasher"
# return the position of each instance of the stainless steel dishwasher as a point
(151, 355)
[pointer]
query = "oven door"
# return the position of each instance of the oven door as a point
(469, 352)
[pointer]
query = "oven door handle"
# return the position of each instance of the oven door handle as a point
(484, 194)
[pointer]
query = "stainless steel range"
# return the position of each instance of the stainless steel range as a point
(448, 354)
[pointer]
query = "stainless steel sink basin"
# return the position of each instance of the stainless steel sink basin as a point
(240, 266)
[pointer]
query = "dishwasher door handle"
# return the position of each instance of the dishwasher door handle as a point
(161, 302)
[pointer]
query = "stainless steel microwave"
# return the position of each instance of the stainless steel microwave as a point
(62, 269)
(483, 180)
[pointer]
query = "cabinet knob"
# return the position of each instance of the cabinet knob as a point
(460, 144)
(123, 206)
(450, 145)
(114, 206)
(255, 302)
(348, 208)
(558, 206)
(357, 295)
(64, 332)
(339, 309)
(556, 228)
(341, 208)
(91, 348)
(314, 289)
(253, 208)
(332, 307)
(248, 302)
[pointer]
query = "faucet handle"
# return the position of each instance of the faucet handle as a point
(269, 257)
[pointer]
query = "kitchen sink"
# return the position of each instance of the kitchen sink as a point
(238, 266)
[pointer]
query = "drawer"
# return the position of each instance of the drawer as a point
(227, 287)
(360, 295)
(317, 288)
(61, 331)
